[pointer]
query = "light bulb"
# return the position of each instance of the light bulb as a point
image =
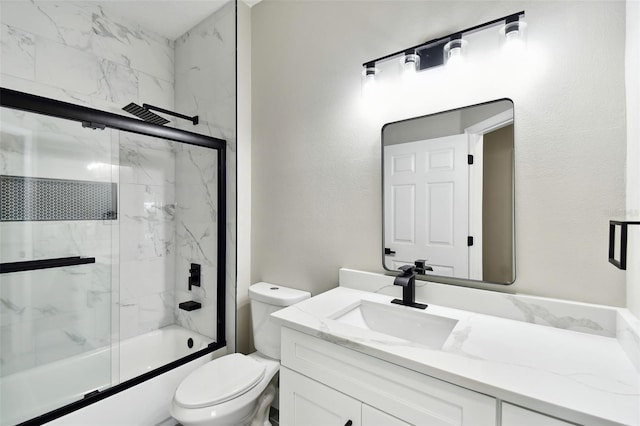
(513, 37)
(410, 65)
(368, 80)
(454, 52)
(455, 58)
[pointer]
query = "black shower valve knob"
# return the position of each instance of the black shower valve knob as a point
(194, 275)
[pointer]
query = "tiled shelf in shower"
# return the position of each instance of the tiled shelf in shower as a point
(25, 198)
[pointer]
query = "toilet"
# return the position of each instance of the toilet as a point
(238, 389)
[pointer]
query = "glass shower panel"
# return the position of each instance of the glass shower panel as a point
(168, 206)
(58, 216)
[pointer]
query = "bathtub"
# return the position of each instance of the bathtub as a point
(32, 392)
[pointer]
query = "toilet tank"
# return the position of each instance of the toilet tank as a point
(267, 298)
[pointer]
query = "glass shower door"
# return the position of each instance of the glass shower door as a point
(58, 279)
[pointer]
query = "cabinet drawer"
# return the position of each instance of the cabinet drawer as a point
(517, 416)
(306, 402)
(405, 394)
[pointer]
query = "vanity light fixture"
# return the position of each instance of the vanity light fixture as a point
(449, 48)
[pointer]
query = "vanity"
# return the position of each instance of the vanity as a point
(350, 357)
(358, 355)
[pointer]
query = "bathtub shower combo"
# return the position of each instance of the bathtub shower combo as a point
(112, 252)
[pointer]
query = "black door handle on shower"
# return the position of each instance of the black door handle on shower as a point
(348, 423)
(32, 265)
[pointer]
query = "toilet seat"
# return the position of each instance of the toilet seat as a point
(219, 380)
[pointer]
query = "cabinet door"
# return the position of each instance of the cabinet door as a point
(409, 396)
(306, 402)
(374, 417)
(516, 416)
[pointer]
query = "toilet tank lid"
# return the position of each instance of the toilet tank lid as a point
(276, 295)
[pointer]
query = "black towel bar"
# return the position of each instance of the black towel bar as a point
(623, 224)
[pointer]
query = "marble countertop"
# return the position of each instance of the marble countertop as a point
(580, 377)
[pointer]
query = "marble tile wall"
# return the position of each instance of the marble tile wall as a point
(205, 85)
(196, 235)
(147, 247)
(76, 52)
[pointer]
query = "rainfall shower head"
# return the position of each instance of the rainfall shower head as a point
(145, 114)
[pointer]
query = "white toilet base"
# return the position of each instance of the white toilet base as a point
(261, 417)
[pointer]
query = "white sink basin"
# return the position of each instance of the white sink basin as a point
(401, 322)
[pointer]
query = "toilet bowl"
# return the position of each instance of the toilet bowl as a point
(224, 392)
(237, 389)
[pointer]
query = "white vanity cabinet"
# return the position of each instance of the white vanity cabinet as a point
(311, 403)
(489, 371)
(327, 384)
(517, 416)
(374, 417)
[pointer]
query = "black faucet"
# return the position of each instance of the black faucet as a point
(407, 279)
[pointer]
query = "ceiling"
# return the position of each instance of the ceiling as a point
(169, 18)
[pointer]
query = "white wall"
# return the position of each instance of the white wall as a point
(316, 201)
(633, 153)
(244, 174)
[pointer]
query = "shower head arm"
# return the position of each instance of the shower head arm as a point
(193, 119)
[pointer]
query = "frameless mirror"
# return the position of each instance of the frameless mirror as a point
(448, 184)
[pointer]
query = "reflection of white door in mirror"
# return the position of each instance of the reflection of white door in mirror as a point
(475, 135)
(427, 183)
(436, 206)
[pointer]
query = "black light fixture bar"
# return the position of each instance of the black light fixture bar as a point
(447, 38)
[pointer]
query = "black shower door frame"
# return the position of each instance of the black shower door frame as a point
(96, 119)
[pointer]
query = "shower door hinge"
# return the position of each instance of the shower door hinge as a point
(92, 125)
(469, 241)
(469, 159)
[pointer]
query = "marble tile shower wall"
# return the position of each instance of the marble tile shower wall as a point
(205, 85)
(196, 235)
(147, 233)
(76, 52)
